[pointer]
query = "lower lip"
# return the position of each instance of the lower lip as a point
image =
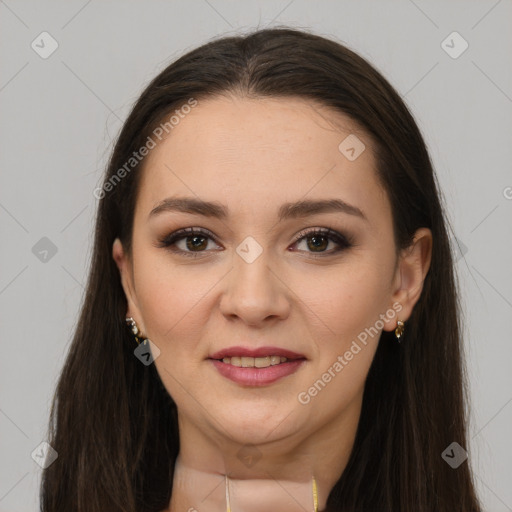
(257, 376)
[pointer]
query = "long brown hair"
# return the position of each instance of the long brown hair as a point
(112, 422)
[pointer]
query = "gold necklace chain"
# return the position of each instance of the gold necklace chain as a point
(314, 491)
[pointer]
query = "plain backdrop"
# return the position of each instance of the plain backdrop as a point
(61, 112)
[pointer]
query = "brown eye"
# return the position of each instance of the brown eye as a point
(196, 241)
(317, 241)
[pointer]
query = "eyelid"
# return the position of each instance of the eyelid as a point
(329, 232)
(168, 240)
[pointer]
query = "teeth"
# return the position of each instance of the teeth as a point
(261, 362)
(275, 359)
(255, 362)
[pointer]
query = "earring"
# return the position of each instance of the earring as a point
(399, 331)
(135, 330)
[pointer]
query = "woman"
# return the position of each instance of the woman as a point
(271, 319)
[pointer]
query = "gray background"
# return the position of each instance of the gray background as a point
(60, 116)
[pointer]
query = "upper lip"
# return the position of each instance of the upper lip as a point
(240, 351)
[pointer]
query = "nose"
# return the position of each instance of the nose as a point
(254, 292)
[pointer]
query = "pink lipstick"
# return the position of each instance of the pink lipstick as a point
(256, 366)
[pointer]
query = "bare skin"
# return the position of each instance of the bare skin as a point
(253, 155)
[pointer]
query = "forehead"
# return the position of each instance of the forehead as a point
(250, 153)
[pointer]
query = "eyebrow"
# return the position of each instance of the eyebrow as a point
(217, 210)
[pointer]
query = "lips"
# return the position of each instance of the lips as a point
(240, 351)
(256, 366)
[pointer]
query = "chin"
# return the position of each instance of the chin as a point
(247, 426)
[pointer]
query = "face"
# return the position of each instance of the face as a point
(311, 284)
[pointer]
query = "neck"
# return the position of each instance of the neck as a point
(277, 475)
(194, 490)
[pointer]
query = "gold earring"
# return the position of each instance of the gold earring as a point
(399, 331)
(135, 330)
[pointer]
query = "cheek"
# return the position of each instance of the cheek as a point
(345, 307)
(344, 300)
(173, 300)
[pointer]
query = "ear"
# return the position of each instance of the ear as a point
(124, 265)
(412, 268)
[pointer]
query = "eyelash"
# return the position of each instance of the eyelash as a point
(345, 242)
